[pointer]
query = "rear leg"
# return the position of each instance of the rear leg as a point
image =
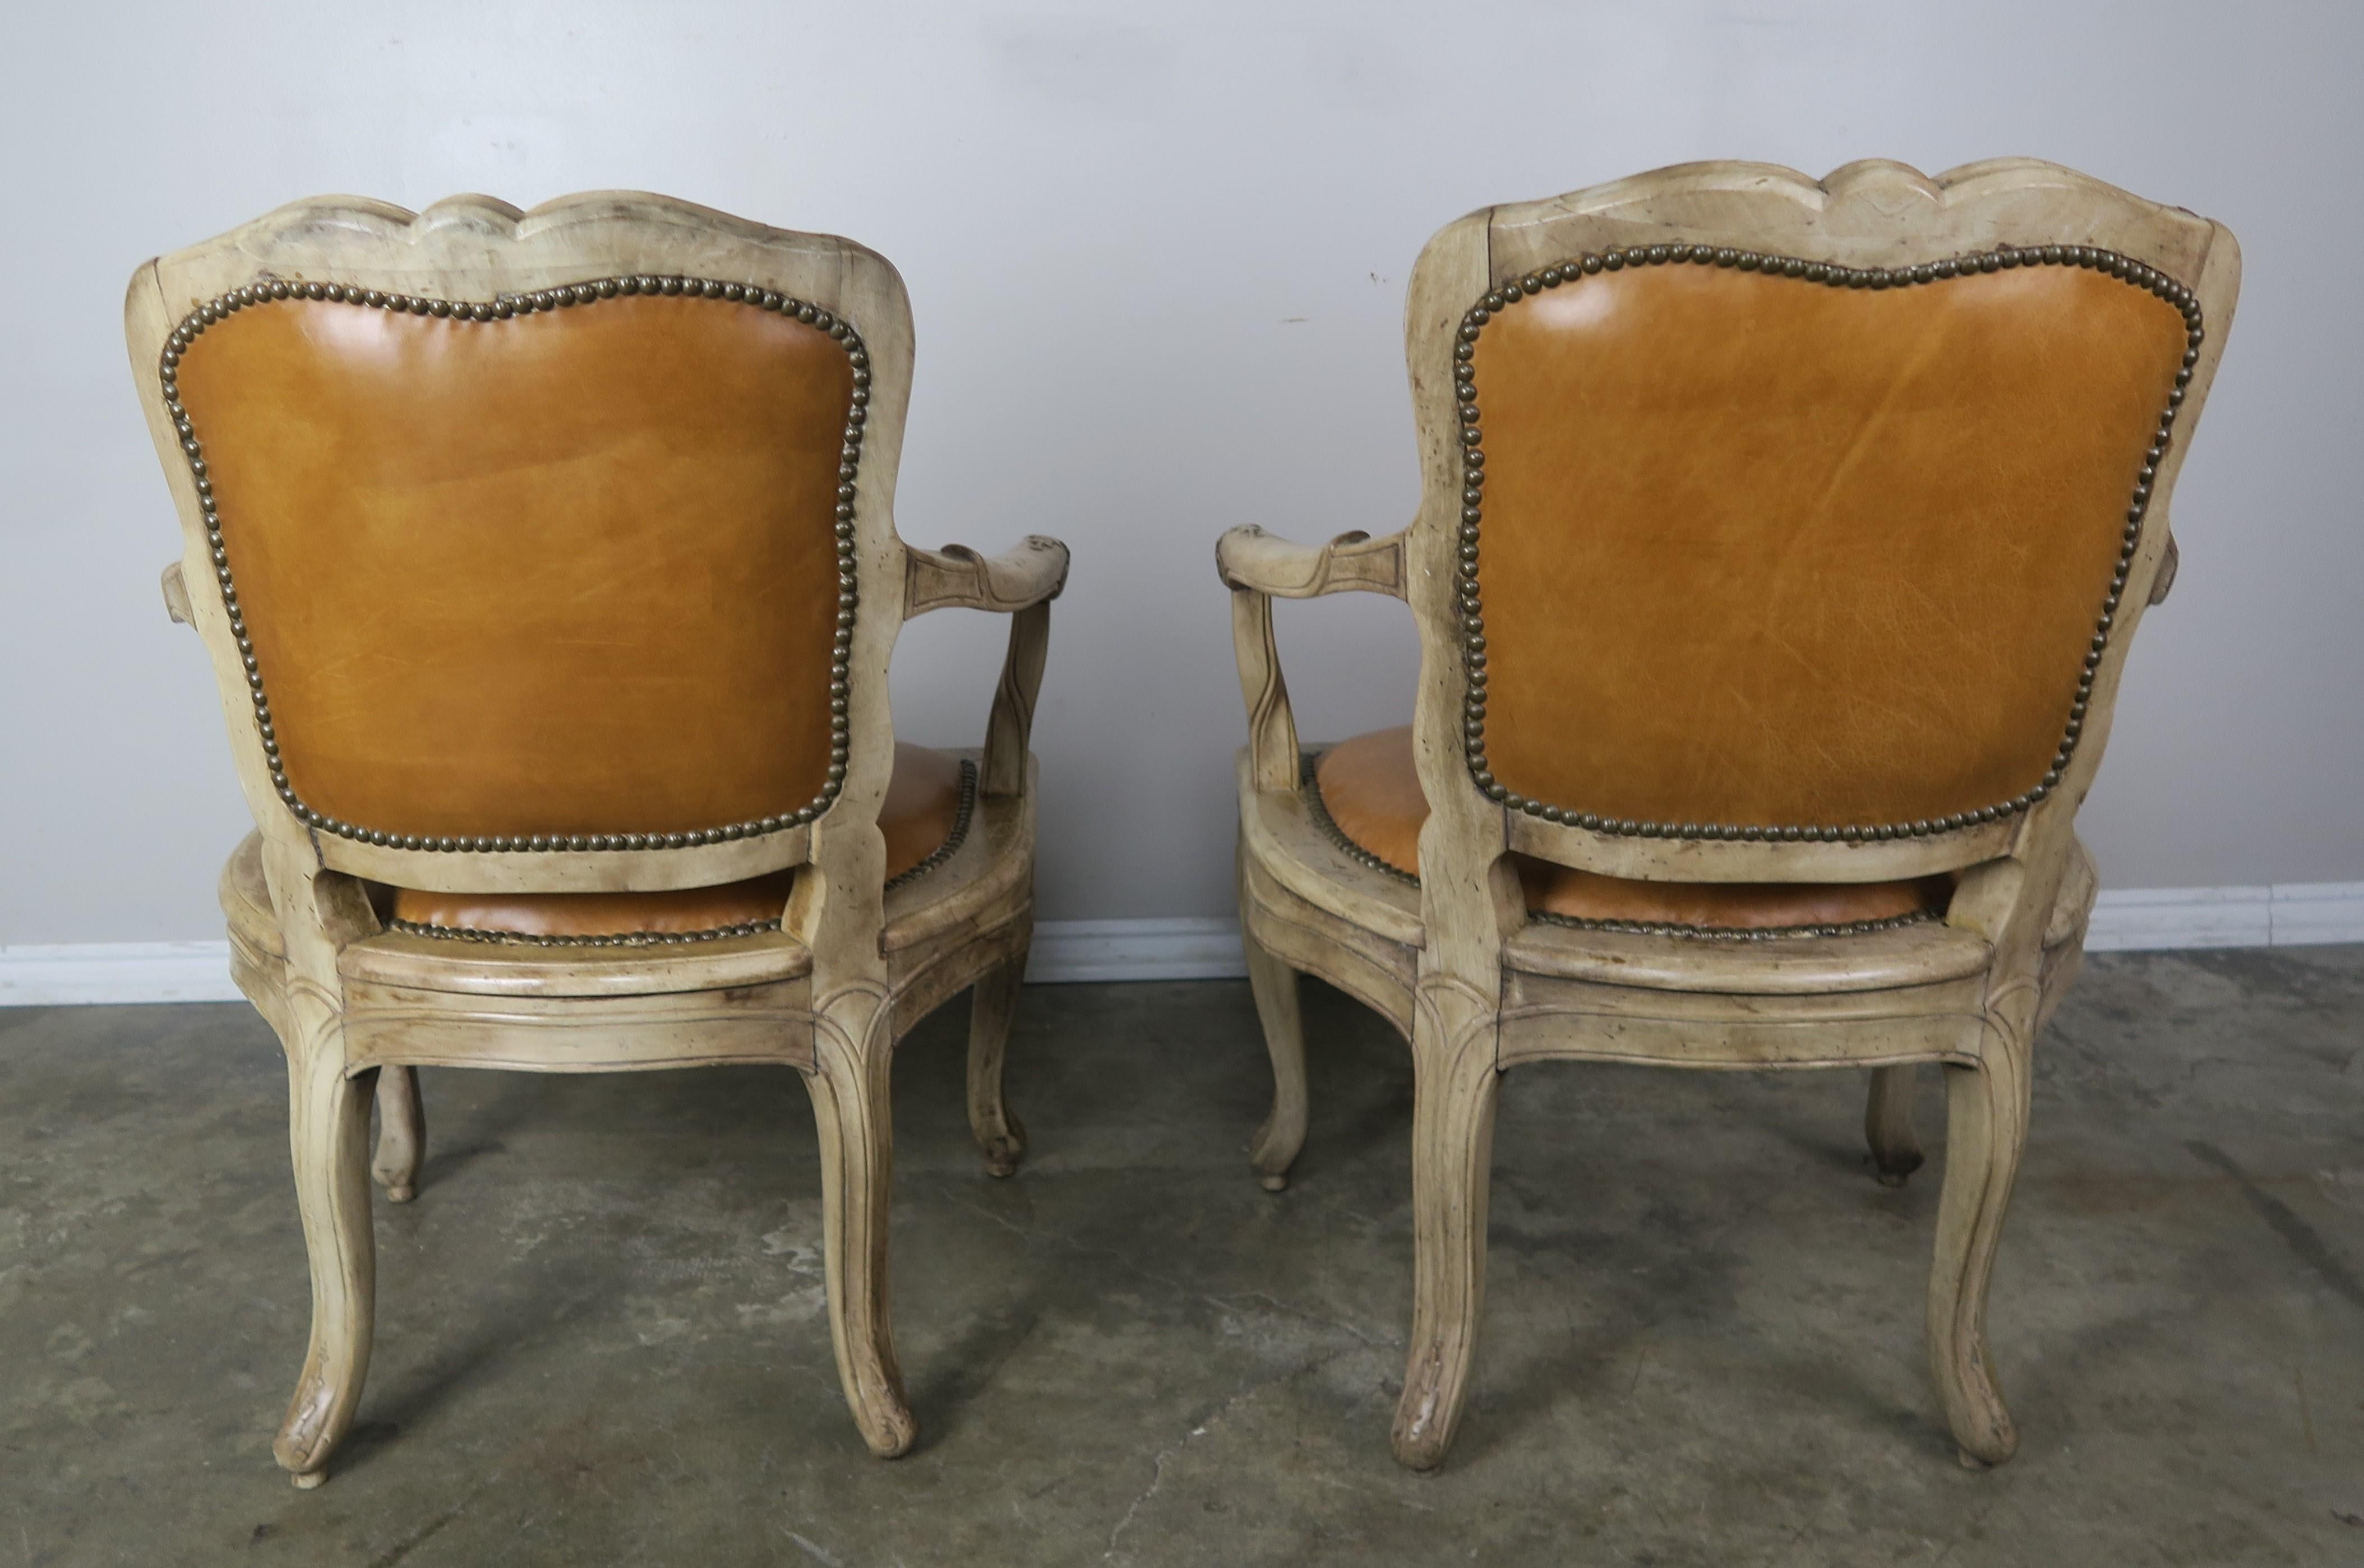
(992, 1004)
(401, 1133)
(1283, 1132)
(1888, 1125)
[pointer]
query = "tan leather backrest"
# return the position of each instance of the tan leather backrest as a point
(569, 571)
(1765, 549)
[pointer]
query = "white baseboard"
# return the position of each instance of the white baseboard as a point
(1136, 950)
(2288, 915)
(114, 971)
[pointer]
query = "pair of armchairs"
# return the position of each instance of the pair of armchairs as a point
(1780, 546)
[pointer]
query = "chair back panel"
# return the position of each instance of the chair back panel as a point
(567, 571)
(1757, 549)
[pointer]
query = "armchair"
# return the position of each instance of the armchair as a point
(1780, 546)
(548, 566)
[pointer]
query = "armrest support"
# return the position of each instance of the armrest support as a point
(1249, 557)
(1272, 727)
(1010, 728)
(957, 577)
(1020, 583)
(176, 596)
(1258, 568)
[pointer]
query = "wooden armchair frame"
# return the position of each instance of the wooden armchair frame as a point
(854, 962)
(1477, 987)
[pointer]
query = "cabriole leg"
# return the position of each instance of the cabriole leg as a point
(1985, 1128)
(1454, 1094)
(849, 1087)
(1274, 984)
(992, 1004)
(328, 1137)
(401, 1133)
(1888, 1125)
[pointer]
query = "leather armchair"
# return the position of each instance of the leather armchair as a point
(1780, 547)
(548, 565)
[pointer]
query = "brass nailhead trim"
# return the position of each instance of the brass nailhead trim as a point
(1319, 809)
(622, 939)
(1470, 610)
(944, 851)
(953, 841)
(503, 308)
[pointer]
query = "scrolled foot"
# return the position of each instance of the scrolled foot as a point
(1993, 1443)
(1894, 1175)
(401, 1194)
(890, 1433)
(1421, 1460)
(1003, 1147)
(1273, 1183)
(308, 1479)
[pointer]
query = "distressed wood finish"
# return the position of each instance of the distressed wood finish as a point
(1477, 988)
(853, 966)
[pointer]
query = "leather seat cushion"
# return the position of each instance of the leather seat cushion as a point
(1370, 786)
(922, 812)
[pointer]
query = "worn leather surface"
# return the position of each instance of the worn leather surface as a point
(1758, 551)
(921, 807)
(1371, 787)
(571, 573)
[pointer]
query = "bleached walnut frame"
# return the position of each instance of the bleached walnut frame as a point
(853, 966)
(1478, 988)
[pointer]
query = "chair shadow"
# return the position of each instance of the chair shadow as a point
(557, 1294)
(1358, 1082)
(452, 1370)
(966, 1365)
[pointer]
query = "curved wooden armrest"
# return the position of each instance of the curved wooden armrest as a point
(957, 577)
(1249, 557)
(176, 596)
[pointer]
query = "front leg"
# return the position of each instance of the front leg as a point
(328, 1139)
(853, 1050)
(1986, 1128)
(328, 1135)
(401, 1133)
(1453, 1092)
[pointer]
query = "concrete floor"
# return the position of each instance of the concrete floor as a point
(601, 1337)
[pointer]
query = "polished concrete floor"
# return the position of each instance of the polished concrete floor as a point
(601, 1337)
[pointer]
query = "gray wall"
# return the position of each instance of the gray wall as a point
(1157, 256)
